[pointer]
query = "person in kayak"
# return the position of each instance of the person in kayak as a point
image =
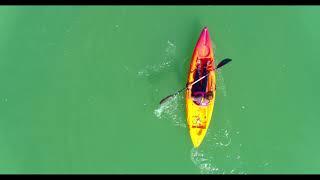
(203, 99)
(198, 90)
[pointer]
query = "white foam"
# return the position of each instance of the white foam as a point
(171, 110)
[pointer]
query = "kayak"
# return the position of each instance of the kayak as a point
(199, 117)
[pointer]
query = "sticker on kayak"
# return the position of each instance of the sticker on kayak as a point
(196, 123)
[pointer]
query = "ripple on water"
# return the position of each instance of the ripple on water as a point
(216, 152)
(168, 59)
(173, 108)
(220, 83)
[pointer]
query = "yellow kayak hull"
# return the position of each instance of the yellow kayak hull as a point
(199, 117)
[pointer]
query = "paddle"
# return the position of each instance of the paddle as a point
(222, 63)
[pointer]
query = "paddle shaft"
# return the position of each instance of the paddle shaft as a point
(200, 79)
(222, 63)
(186, 87)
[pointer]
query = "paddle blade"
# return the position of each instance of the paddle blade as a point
(223, 62)
(166, 98)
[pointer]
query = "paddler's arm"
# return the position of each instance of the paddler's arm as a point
(189, 86)
(209, 87)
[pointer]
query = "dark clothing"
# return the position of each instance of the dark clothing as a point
(202, 85)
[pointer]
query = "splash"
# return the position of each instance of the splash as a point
(172, 110)
(170, 50)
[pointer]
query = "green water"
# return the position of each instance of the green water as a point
(81, 85)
